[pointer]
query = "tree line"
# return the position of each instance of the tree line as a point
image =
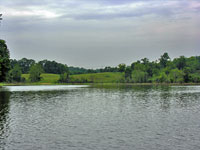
(35, 69)
(163, 70)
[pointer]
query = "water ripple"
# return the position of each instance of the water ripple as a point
(62, 118)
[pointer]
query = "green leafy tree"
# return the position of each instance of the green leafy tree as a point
(128, 73)
(26, 64)
(145, 61)
(4, 60)
(195, 77)
(186, 74)
(121, 67)
(164, 59)
(176, 76)
(180, 62)
(193, 63)
(53, 67)
(64, 78)
(161, 78)
(13, 62)
(35, 73)
(14, 74)
(133, 65)
(139, 76)
(139, 67)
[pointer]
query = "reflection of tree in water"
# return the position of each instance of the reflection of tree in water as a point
(165, 99)
(4, 110)
(143, 94)
(153, 94)
(187, 99)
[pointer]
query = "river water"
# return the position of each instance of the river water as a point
(100, 118)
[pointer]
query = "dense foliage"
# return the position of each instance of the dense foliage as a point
(4, 60)
(53, 67)
(57, 68)
(48, 66)
(179, 70)
(64, 78)
(35, 73)
(23, 63)
(78, 70)
(15, 74)
(163, 70)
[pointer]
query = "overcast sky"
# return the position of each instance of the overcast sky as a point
(99, 33)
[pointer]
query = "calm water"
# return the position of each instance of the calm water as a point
(103, 118)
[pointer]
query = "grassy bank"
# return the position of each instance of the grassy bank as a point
(101, 84)
(106, 77)
(46, 78)
(99, 79)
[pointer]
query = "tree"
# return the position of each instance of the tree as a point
(64, 78)
(160, 78)
(180, 62)
(26, 64)
(195, 77)
(53, 67)
(77, 70)
(164, 59)
(122, 67)
(176, 76)
(145, 61)
(186, 74)
(13, 62)
(35, 72)
(4, 60)
(14, 74)
(139, 76)
(139, 67)
(128, 73)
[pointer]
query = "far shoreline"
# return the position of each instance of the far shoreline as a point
(101, 84)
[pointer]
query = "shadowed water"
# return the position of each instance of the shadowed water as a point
(110, 118)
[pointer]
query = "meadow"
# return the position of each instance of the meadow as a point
(106, 77)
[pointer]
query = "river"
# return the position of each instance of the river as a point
(100, 118)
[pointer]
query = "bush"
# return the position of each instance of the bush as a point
(194, 78)
(64, 78)
(35, 72)
(139, 76)
(14, 75)
(176, 76)
(161, 78)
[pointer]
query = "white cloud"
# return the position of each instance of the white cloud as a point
(41, 12)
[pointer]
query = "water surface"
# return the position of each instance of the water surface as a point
(110, 118)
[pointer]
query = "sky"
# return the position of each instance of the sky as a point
(99, 33)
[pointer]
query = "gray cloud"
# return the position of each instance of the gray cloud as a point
(99, 9)
(102, 32)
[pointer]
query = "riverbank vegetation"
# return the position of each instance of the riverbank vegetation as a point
(162, 70)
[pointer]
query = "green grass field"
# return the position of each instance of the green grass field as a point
(46, 78)
(107, 77)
